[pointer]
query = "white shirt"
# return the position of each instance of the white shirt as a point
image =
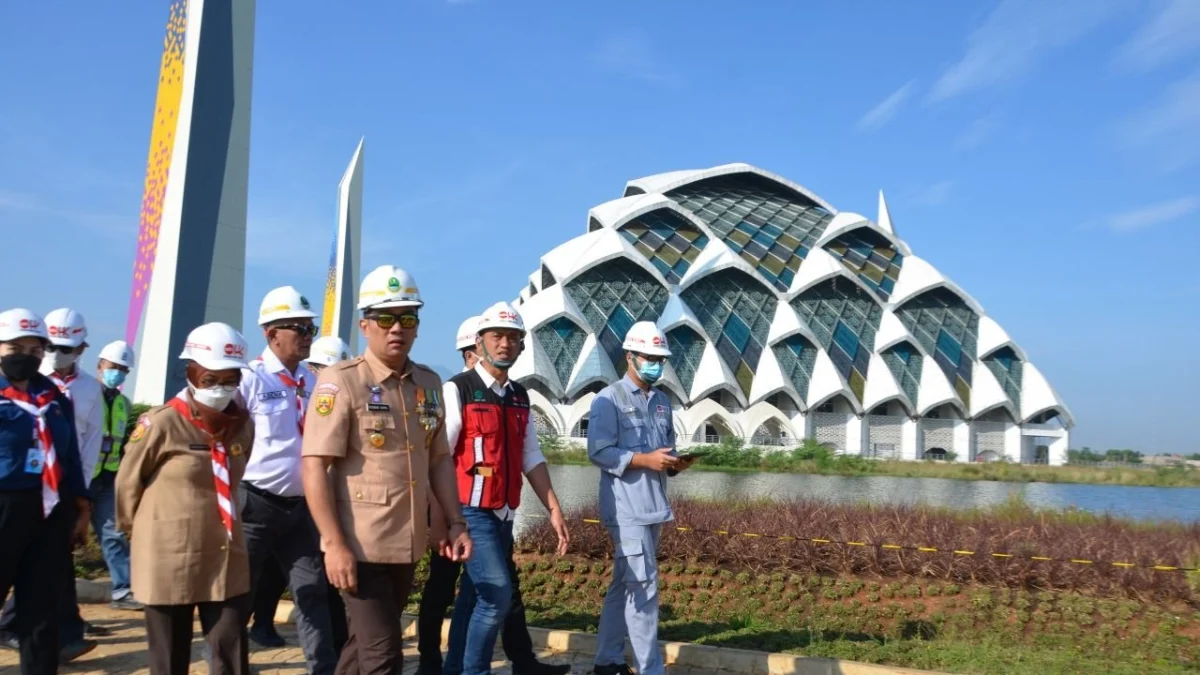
(274, 463)
(531, 451)
(87, 396)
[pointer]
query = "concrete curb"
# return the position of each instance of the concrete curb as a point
(741, 661)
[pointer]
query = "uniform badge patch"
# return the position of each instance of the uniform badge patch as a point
(662, 408)
(143, 424)
(324, 403)
(376, 439)
(236, 449)
(429, 408)
(326, 387)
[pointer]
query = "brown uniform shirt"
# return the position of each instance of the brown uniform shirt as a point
(386, 430)
(167, 503)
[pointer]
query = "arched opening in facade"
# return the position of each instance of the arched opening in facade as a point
(885, 424)
(989, 432)
(772, 433)
(937, 432)
(542, 421)
(713, 431)
(580, 430)
(830, 421)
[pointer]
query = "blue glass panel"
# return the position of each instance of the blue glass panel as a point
(737, 331)
(950, 346)
(846, 339)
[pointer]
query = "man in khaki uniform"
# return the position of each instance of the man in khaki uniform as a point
(374, 444)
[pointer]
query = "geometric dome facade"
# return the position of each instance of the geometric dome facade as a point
(776, 306)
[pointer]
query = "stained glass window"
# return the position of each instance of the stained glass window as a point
(613, 296)
(562, 341)
(869, 255)
(769, 226)
(947, 328)
(668, 241)
(796, 357)
(905, 362)
(687, 348)
(1007, 367)
(736, 313)
(844, 319)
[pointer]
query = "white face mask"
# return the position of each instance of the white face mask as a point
(217, 397)
(61, 360)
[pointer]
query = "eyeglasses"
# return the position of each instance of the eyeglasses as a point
(59, 348)
(652, 358)
(386, 321)
(309, 330)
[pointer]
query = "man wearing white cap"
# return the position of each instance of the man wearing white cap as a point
(115, 361)
(279, 529)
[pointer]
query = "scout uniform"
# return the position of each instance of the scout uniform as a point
(385, 429)
(175, 500)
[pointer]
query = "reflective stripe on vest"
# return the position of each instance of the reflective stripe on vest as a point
(488, 455)
(116, 420)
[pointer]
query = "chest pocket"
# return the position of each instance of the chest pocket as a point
(378, 433)
(632, 430)
(275, 411)
(484, 420)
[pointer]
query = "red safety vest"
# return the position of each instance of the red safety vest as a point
(487, 457)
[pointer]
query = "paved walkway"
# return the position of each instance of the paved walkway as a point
(123, 651)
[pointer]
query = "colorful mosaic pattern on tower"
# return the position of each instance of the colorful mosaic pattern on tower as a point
(668, 241)
(613, 296)
(844, 319)
(158, 165)
(735, 311)
(330, 304)
(949, 330)
(874, 259)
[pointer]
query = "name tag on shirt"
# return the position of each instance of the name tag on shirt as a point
(378, 407)
(106, 445)
(34, 461)
(198, 446)
(628, 410)
(272, 395)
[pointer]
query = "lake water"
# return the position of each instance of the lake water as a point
(576, 486)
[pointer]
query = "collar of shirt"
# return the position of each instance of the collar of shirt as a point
(274, 366)
(490, 382)
(383, 371)
(633, 388)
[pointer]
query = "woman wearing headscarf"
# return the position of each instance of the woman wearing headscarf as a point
(176, 500)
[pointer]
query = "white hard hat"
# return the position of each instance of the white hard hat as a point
(118, 352)
(467, 331)
(645, 338)
(500, 315)
(19, 323)
(216, 346)
(388, 286)
(66, 327)
(284, 302)
(328, 350)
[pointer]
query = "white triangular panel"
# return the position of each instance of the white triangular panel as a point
(881, 384)
(612, 213)
(564, 259)
(918, 276)
(993, 337)
(891, 332)
(885, 216)
(710, 374)
(768, 377)
(986, 392)
(841, 223)
(934, 389)
(676, 314)
(549, 305)
(593, 363)
(818, 266)
(715, 256)
(670, 379)
(1037, 396)
(826, 381)
(787, 323)
(660, 182)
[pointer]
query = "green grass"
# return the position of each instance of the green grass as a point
(813, 458)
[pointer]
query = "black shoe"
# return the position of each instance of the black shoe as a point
(614, 669)
(430, 668)
(538, 668)
(266, 636)
(10, 641)
(75, 650)
(127, 603)
(92, 629)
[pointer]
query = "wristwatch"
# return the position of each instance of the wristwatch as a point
(460, 521)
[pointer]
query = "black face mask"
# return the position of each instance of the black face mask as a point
(19, 367)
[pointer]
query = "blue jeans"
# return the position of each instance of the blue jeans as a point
(113, 544)
(484, 595)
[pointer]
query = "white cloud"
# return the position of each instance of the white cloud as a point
(935, 194)
(116, 226)
(632, 54)
(1015, 36)
(1170, 34)
(1154, 214)
(977, 132)
(1170, 128)
(882, 113)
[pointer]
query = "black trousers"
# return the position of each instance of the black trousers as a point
(438, 595)
(375, 647)
(169, 636)
(70, 621)
(35, 551)
(272, 582)
(279, 531)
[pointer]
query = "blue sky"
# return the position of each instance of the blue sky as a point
(1044, 155)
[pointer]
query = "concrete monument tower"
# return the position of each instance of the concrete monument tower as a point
(339, 317)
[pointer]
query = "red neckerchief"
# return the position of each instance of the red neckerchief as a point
(220, 463)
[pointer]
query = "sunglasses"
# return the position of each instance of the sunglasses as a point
(386, 321)
(60, 348)
(305, 331)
